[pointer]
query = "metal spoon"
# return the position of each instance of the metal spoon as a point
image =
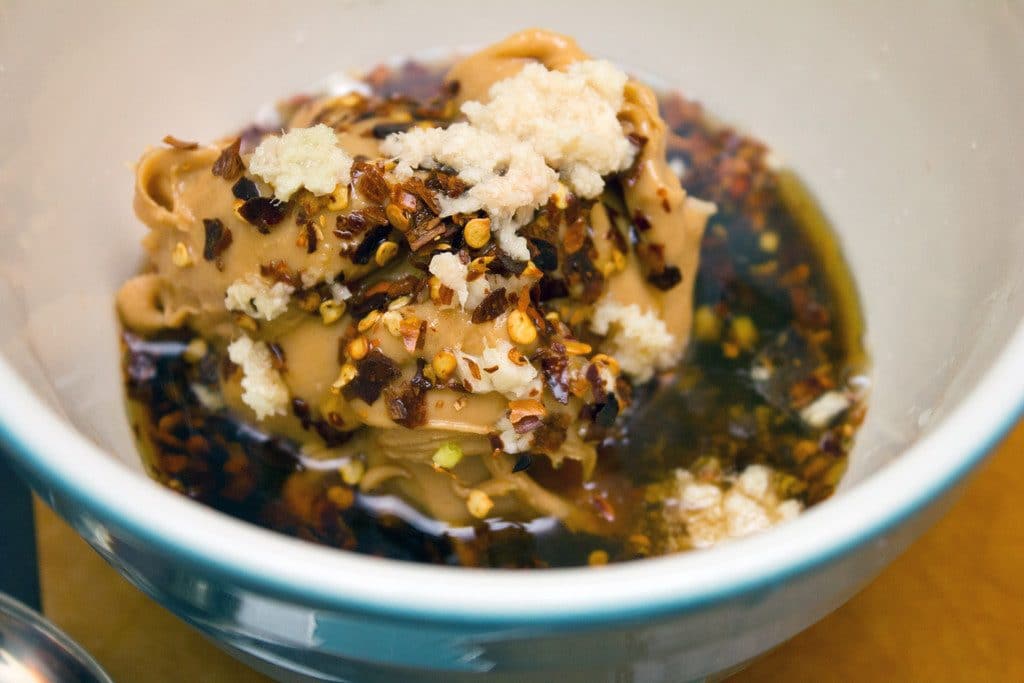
(33, 650)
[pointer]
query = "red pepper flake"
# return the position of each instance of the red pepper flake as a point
(505, 266)
(528, 424)
(229, 164)
(663, 193)
(493, 305)
(523, 462)
(544, 255)
(301, 410)
(448, 184)
(179, 144)
(404, 286)
(554, 364)
(332, 434)
(374, 373)
(642, 222)
(550, 436)
(798, 275)
(278, 271)
(382, 130)
(575, 234)
(263, 212)
(474, 369)
(666, 279)
(551, 288)
(218, 238)
(311, 239)
(278, 359)
(245, 189)
(652, 256)
(366, 301)
(408, 407)
(368, 247)
(370, 182)
(411, 329)
(637, 140)
(347, 227)
(495, 440)
(603, 507)
(404, 199)
(596, 384)
(446, 295)
(424, 232)
(525, 407)
(417, 187)
(579, 271)
(607, 412)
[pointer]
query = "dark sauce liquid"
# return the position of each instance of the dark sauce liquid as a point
(778, 325)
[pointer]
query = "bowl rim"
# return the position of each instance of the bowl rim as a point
(264, 562)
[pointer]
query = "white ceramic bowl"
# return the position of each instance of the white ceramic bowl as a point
(903, 118)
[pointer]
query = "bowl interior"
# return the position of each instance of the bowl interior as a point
(904, 123)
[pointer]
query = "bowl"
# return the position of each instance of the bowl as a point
(903, 120)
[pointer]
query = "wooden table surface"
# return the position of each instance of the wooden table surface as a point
(950, 609)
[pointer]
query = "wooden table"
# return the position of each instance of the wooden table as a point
(951, 609)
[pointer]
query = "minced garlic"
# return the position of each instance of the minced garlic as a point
(638, 340)
(452, 273)
(568, 117)
(537, 124)
(257, 297)
(512, 442)
(263, 389)
(302, 157)
(505, 376)
(712, 512)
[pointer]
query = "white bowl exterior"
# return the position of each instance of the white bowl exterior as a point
(903, 121)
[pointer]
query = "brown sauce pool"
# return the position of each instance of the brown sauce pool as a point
(777, 326)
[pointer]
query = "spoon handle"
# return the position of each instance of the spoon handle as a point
(19, 571)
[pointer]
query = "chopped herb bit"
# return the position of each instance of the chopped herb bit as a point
(448, 455)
